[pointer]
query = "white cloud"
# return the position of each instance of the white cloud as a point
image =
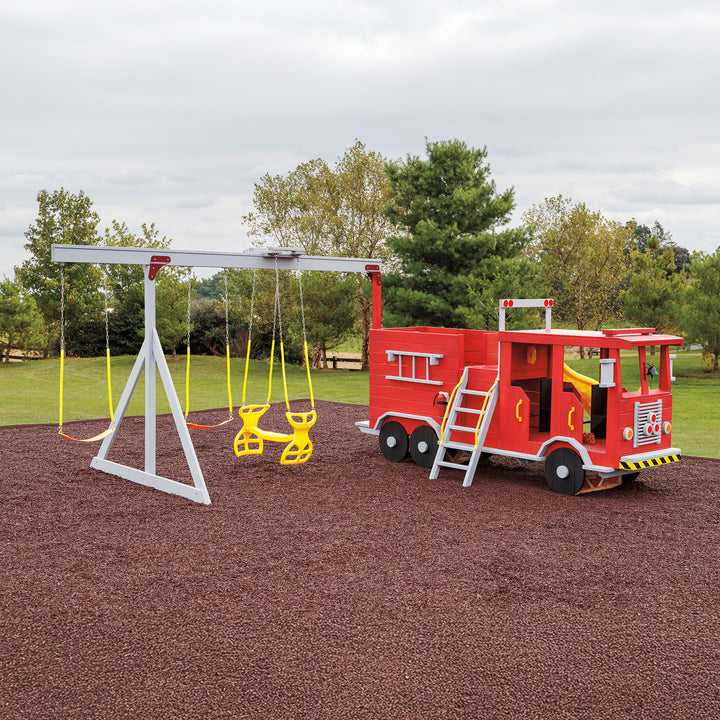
(168, 112)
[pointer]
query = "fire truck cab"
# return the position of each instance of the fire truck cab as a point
(445, 396)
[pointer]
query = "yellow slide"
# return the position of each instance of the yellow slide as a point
(583, 385)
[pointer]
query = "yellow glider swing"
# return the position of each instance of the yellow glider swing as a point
(249, 441)
(198, 426)
(111, 427)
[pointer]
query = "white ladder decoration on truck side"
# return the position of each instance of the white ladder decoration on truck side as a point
(428, 358)
(455, 406)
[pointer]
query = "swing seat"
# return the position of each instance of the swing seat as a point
(95, 438)
(250, 439)
(300, 448)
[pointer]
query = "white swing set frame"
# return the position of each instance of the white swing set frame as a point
(151, 354)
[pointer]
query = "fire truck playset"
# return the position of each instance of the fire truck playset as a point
(444, 397)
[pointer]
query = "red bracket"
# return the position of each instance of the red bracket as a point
(156, 262)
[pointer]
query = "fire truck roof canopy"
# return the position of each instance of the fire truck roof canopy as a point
(623, 339)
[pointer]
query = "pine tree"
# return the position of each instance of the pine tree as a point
(455, 258)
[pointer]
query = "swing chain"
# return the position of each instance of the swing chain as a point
(189, 300)
(252, 307)
(276, 314)
(302, 307)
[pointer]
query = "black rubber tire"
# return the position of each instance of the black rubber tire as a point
(423, 446)
(393, 441)
(564, 471)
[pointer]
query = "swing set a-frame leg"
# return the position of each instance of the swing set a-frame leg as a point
(151, 356)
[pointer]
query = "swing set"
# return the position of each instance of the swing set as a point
(251, 438)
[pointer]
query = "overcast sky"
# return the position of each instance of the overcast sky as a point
(168, 111)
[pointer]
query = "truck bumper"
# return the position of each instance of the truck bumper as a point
(648, 460)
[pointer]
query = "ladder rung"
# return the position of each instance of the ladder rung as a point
(475, 411)
(455, 445)
(447, 463)
(462, 427)
(482, 393)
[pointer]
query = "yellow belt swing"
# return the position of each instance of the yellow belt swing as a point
(198, 426)
(111, 428)
(250, 439)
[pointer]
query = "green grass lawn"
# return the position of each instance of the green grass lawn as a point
(29, 391)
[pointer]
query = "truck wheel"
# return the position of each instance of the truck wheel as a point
(564, 471)
(423, 446)
(393, 441)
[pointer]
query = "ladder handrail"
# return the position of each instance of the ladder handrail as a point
(482, 411)
(451, 400)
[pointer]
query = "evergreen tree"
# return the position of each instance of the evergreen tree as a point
(454, 255)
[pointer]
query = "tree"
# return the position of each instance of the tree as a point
(454, 254)
(659, 240)
(582, 260)
(654, 293)
(21, 324)
(292, 210)
(125, 285)
(329, 317)
(701, 311)
(171, 316)
(62, 218)
(329, 211)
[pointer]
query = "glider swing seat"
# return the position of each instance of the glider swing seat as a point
(198, 426)
(111, 427)
(251, 438)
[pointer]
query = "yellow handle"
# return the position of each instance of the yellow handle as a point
(570, 414)
(517, 411)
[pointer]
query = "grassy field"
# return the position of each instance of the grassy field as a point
(29, 391)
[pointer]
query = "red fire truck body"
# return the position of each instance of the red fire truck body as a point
(445, 396)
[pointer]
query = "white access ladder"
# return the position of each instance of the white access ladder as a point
(458, 404)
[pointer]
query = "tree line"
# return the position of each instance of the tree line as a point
(439, 224)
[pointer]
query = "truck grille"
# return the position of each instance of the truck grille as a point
(648, 423)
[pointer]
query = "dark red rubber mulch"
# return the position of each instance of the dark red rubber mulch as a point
(349, 587)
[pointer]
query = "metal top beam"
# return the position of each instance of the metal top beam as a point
(257, 258)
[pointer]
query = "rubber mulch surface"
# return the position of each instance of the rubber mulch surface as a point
(349, 587)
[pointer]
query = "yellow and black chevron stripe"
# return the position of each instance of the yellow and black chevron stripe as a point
(645, 464)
